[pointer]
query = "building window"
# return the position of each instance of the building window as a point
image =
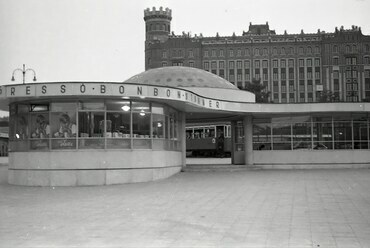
(348, 49)
(317, 62)
(213, 65)
(221, 53)
(335, 48)
(317, 75)
(247, 64)
(335, 61)
(231, 64)
(290, 63)
(239, 53)
(275, 63)
(300, 50)
(247, 52)
(274, 51)
(317, 49)
(301, 63)
(238, 64)
(283, 63)
(257, 64)
(291, 50)
(264, 63)
(180, 53)
(164, 64)
(256, 51)
(164, 54)
(231, 53)
(191, 64)
(309, 62)
(366, 60)
(265, 51)
(283, 50)
(191, 54)
(213, 53)
(206, 65)
(309, 50)
(206, 53)
(221, 64)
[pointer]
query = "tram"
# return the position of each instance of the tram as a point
(208, 140)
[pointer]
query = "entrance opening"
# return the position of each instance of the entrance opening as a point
(208, 143)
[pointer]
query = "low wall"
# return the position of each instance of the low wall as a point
(93, 167)
(308, 159)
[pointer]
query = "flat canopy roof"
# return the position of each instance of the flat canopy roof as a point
(185, 99)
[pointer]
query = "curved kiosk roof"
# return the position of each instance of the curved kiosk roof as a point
(97, 133)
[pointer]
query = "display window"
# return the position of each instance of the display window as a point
(93, 125)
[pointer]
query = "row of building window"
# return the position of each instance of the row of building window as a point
(257, 63)
(349, 48)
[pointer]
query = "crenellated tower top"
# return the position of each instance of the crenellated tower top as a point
(161, 13)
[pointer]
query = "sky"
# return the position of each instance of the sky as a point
(103, 40)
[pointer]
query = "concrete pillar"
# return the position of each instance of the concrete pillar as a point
(183, 139)
(248, 140)
(233, 125)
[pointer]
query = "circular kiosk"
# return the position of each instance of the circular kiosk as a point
(101, 133)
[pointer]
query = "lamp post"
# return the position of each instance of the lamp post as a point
(24, 71)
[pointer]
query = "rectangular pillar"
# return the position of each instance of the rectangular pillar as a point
(183, 139)
(248, 140)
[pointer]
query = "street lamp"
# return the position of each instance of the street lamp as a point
(24, 71)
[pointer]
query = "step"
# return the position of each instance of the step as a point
(217, 167)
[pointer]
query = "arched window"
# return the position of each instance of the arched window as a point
(283, 50)
(274, 50)
(301, 50)
(309, 50)
(291, 50)
(335, 48)
(256, 51)
(265, 51)
(247, 52)
(348, 49)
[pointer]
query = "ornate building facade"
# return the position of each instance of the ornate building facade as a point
(295, 67)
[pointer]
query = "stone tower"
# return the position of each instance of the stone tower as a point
(157, 24)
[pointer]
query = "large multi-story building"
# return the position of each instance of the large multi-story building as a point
(295, 67)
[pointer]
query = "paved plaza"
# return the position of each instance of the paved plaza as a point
(249, 208)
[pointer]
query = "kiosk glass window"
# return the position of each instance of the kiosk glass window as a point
(118, 125)
(91, 130)
(262, 136)
(282, 137)
(63, 126)
(141, 125)
(40, 130)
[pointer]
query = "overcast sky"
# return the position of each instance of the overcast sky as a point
(103, 40)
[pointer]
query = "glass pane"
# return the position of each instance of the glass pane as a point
(158, 125)
(18, 146)
(302, 136)
(91, 124)
(141, 125)
(140, 107)
(118, 125)
(262, 132)
(119, 106)
(322, 145)
(91, 106)
(40, 127)
(63, 107)
(21, 127)
(322, 131)
(39, 144)
(342, 131)
(63, 124)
